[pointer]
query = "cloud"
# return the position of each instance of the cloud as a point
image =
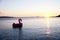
(1, 13)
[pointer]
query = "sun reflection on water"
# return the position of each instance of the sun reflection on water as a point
(48, 26)
(48, 32)
(48, 23)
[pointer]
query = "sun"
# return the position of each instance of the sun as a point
(49, 14)
(46, 14)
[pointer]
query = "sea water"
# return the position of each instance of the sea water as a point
(33, 29)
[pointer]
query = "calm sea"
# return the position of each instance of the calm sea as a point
(33, 29)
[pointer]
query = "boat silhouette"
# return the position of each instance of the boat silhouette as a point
(17, 25)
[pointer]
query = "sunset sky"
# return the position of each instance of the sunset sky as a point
(26, 8)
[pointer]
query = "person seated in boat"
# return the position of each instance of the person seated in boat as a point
(20, 20)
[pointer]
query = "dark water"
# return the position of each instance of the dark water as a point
(33, 29)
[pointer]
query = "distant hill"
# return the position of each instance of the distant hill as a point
(58, 16)
(6, 17)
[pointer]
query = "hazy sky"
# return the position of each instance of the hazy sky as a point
(29, 7)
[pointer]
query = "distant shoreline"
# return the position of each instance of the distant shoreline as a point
(6, 17)
(25, 17)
